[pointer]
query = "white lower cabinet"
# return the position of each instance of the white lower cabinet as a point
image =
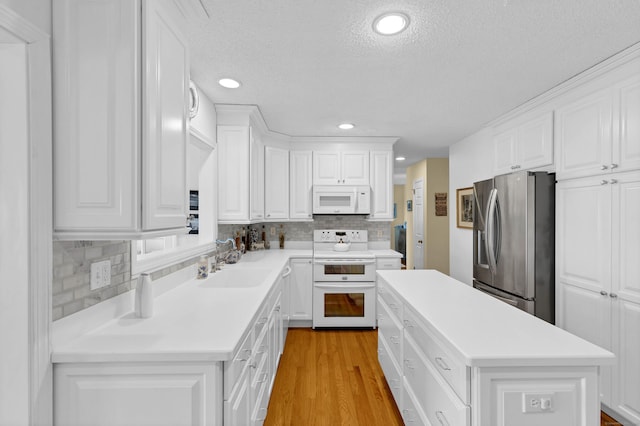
(112, 394)
(301, 290)
(432, 384)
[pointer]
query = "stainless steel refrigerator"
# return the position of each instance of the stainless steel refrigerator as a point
(514, 240)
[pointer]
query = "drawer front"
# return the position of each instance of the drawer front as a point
(233, 368)
(388, 263)
(451, 367)
(390, 330)
(261, 320)
(411, 412)
(391, 370)
(394, 304)
(433, 395)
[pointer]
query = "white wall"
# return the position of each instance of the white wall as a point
(470, 160)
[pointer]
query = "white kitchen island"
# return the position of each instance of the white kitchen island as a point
(455, 356)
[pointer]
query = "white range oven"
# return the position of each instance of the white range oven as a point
(344, 282)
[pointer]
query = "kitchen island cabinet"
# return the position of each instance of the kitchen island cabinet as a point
(454, 355)
(121, 94)
(208, 356)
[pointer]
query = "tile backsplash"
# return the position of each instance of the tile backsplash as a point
(303, 231)
(72, 259)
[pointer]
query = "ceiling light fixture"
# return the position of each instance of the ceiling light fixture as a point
(229, 83)
(391, 23)
(400, 158)
(346, 126)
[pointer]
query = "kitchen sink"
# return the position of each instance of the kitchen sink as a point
(236, 278)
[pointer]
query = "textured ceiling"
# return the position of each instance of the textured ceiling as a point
(311, 64)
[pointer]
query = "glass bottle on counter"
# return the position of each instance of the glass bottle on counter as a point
(281, 236)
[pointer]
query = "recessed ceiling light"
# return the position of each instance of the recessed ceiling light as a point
(400, 158)
(391, 23)
(229, 83)
(346, 126)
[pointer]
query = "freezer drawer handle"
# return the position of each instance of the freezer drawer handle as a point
(442, 364)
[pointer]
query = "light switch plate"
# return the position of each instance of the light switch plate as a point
(537, 402)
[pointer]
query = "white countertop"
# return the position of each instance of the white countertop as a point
(385, 253)
(192, 322)
(485, 331)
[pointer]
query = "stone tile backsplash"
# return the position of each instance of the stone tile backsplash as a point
(303, 231)
(72, 259)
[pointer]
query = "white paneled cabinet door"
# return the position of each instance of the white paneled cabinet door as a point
(301, 289)
(301, 185)
(276, 181)
(625, 294)
(326, 168)
(355, 167)
(626, 141)
(256, 172)
(166, 97)
(534, 146)
(583, 132)
(96, 123)
(381, 185)
(504, 156)
(233, 176)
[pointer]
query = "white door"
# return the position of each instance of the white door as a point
(418, 224)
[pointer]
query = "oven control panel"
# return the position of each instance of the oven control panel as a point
(347, 236)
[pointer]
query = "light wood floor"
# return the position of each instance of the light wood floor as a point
(332, 377)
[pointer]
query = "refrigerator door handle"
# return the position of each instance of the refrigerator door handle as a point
(491, 231)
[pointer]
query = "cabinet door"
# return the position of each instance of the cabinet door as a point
(626, 143)
(237, 410)
(257, 176)
(164, 128)
(355, 167)
(534, 146)
(381, 185)
(626, 386)
(276, 181)
(97, 108)
(301, 289)
(301, 185)
(504, 155)
(326, 168)
(233, 176)
(583, 233)
(583, 133)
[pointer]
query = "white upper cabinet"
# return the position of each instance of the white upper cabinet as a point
(381, 185)
(276, 181)
(341, 167)
(600, 133)
(301, 185)
(523, 146)
(121, 75)
(233, 173)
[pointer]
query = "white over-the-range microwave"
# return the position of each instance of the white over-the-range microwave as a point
(341, 199)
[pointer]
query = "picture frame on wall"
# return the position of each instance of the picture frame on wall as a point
(464, 208)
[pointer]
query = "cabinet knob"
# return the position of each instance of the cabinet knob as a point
(604, 182)
(604, 293)
(604, 167)
(613, 166)
(614, 181)
(613, 295)
(338, 180)
(515, 167)
(269, 215)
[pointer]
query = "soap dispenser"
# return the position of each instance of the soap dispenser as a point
(144, 297)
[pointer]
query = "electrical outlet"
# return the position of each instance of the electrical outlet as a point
(379, 232)
(537, 402)
(100, 274)
(272, 230)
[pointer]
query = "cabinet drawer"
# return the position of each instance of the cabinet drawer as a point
(390, 330)
(411, 412)
(391, 370)
(451, 367)
(440, 404)
(233, 368)
(259, 413)
(261, 320)
(388, 263)
(394, 304)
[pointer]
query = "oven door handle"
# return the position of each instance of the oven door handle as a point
(341, 261)
(343, 286)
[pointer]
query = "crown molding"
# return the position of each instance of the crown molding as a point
(19, 27)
